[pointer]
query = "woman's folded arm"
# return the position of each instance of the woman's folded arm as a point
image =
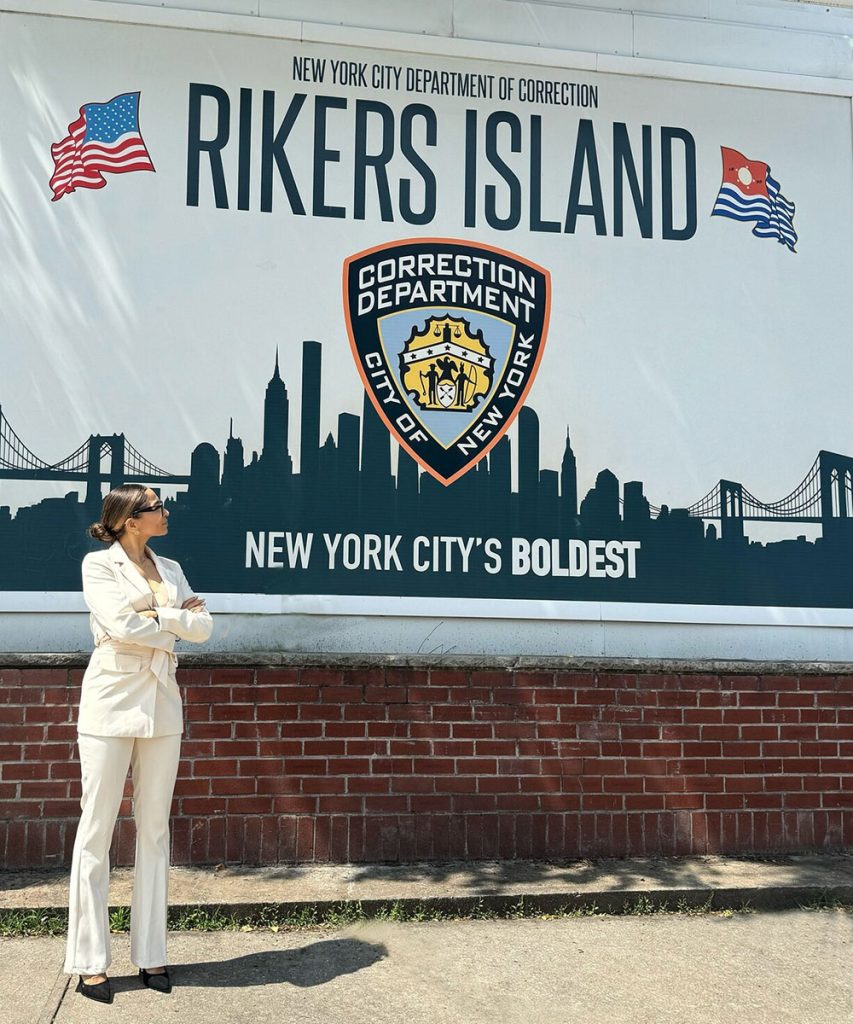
(114, 613)
(195, 626)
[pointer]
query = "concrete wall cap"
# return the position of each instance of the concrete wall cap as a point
(526, 663)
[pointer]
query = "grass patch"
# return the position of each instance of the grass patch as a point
(17, 923)
(286, 917)
(120, 919)
(336, 916)
(826, 901)
(200, 919)
(645, 905)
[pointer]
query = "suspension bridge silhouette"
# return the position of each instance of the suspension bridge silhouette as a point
(126, 463)
(824, 495)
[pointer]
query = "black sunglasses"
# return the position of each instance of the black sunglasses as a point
(156, 507)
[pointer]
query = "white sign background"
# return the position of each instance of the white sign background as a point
(676, 363)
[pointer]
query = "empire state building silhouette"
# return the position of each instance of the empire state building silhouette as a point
(275, 457)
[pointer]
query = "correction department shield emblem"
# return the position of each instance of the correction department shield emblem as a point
(447, 336)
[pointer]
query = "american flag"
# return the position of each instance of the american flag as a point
(749, 193)
(105, 137)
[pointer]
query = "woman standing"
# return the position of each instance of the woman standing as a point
(131, 714)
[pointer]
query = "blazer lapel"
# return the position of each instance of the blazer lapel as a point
(127, 569)
(167, 578)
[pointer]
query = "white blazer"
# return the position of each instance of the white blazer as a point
(129, 687)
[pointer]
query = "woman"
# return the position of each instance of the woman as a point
(130, 715)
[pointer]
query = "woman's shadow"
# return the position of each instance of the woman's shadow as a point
(314, 964)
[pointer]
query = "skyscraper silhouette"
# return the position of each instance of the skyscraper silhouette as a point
(528, 452)
(349, 430)
(636, 511)
(375, 444)
(498, 510)
(375, 479)
(324, 495)
(203, 491)
(569, 482)
(528, 467)
(309, 437)
(600, 508)
(232, 466)
(328, 459)
(407, 488)
(548, 507)
(275, 454)
(349, 447)
(500, 469)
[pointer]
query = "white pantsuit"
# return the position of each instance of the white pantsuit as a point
(131, 715)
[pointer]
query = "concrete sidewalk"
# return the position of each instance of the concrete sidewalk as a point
(790, 967)
(765, 883)
(34, 991)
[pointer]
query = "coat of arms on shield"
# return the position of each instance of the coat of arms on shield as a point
(446, 365)
(447, 336)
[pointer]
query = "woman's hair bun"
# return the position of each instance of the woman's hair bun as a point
(102, 532)
(119, 505)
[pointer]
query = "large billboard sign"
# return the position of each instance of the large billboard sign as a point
(393, 324)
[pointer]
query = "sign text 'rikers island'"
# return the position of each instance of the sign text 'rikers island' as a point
(329, 156)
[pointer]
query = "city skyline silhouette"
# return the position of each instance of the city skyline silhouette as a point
(346, 485)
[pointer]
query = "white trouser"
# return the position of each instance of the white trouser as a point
(104, 762)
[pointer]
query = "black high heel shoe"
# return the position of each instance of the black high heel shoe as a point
(101, 993)
(159, 982)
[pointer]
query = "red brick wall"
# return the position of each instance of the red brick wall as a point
(397, 764)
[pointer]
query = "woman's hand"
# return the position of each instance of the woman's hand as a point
(194, 604)
(148, 613)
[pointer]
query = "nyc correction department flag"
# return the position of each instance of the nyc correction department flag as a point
(749, 193)
(105, 137)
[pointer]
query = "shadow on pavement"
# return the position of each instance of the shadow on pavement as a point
(612, 873)
(314, 964)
